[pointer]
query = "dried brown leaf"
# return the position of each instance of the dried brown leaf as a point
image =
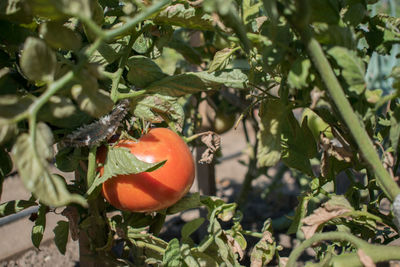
(320, 216)
(365, 259)
(213, 143)
(234, 245)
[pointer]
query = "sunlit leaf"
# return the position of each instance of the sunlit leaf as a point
(155, 108)
(31, 162)
(271, 114)
(15, 206)
(39, 227)
(353, 68)
(121, 161)
(143, 71)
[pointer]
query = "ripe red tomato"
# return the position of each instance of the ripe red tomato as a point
(156, 190)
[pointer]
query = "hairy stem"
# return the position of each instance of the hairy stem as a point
(331, 236)
(356, 128)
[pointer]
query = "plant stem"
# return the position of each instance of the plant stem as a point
(356, 128)
(145, 245)
(332, 236)
(137, 19)
(91, 172)
(121, 67)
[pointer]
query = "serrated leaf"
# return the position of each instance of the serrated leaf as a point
(106, 54)
(120, 161)
(221, 59)
(15, 206)
(143, 71)
(38, 61)
(96, 104)
(299, 73)
(334, 35)
(172, 256)
(271, 114)
(191, 227)
(186, 17)
(58, 36)
(298, 145)
(353, 69)
(32, 165)
(153, 108)
(39, 227)
(61, 232)
(193, 82)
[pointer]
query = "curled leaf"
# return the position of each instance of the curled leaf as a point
(335, 207)
(213, 143)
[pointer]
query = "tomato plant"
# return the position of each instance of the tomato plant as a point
(156, 190)
(315, 85)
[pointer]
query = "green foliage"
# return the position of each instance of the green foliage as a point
(293, 71)
(120, 161)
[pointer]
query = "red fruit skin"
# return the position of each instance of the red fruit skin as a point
(156, 190)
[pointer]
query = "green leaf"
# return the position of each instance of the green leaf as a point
(107, 53)
(48, 9)
(31, 162)
(143, 71)
(60, 111)
(394, 132)
(7, 130)
(355, 13)
(38, 62)
(334, 35)
(16, 35)
(298, 145)
(353, 69)
(203, 259)
(6, 166)
(301, 212)
(172, 256)
(382, 33)
(193, 82)
(299, 73)
(271, 114)
(189, 201)
(324, 11)
(155, 107)
(191, 227)
(15, 206)
(67, 159)
(61, 236)
(120, 161)
(96, 104)
(39, 227)
(221, 59)
(58, 36)
(185, 16)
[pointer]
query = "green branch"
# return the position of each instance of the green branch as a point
(356, 128)
(377, 253)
